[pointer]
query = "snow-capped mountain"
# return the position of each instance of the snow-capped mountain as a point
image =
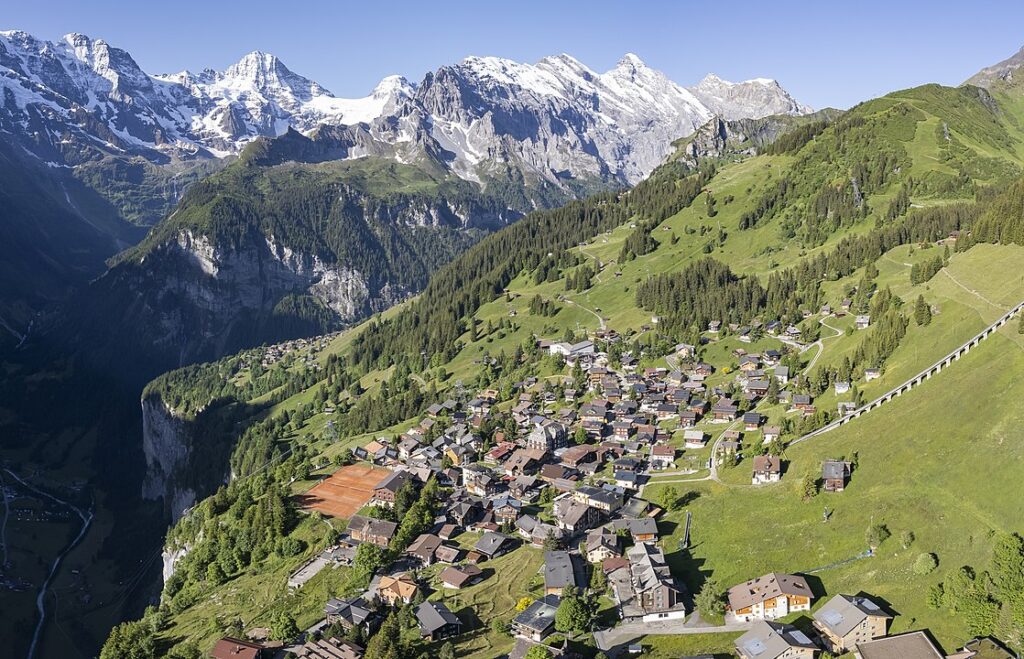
(555, 122)
(751, 99)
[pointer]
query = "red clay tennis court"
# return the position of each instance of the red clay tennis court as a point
(345, 491)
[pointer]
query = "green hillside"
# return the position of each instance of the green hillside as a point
(857, 209)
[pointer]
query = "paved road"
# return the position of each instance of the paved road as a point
(625, 633)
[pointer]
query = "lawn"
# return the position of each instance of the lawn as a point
(508, 578)
(919, 462)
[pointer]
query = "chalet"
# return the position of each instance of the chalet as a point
(622, 430)
(767, 469)
(406, 447)
(704, 370)
(393, 590)
(769, 597)
(524, 488)
(694, 438)
(872, 374)
(536, 531)
(772, 640)
(464, 513)
(493, 544)
(449, 531)
(537, 621)
(912, 645)
(626, 464)
(506, 509)
(351, 613)
(750, 363)
(436, 621)
(834, 474)
(714, 326)
(846, 621)
(640, 529)
(663, 456)
(603, 499)
(863, 322)
(233, 648)
(758, 387)
(559, 572)
(645, 588)
(574, 456)
(375, 531)
(771, 433)
(448, 554)
(554, 472)
(573, 516)
(687, 419)
(385, 491)
(423, 548)
(801, 402)
(601, 544)
(724, 410)
(480, 482)
(751, 421)
(499, 453)
(666, 411)
(629, 480)
(524, 461)
(460, 576)
(782, 375)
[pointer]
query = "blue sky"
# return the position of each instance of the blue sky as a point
(837, 54)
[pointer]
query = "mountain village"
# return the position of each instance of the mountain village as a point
(563, 474)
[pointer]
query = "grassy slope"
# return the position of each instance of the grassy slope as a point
(920, 466)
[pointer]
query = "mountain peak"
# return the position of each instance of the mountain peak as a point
(631, 63)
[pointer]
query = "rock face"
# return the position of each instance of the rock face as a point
(1004, 73)
(556, 121)
(167, 444)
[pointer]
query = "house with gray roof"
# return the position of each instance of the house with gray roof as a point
(771, 640)
(846, 621)
(537, 620)
(644, 588)
(436, 621)
(559, 572)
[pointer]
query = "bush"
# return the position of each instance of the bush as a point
(925, 563)
(877, 534)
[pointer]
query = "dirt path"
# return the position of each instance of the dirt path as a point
(973, 292)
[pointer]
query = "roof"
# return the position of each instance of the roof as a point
(425, 545)
(402, 586)
(330, 648)
(913, 645)
(768, 640)
(539, 616)
(767, 464)
(558, 570)
(843, 613)
(766, 587)
(233, 648)
(459, 576)
(490, 542)
(353, 610)
(831, 469)
(432, 616)
(372, 526)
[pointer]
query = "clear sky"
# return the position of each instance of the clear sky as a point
(827, 53)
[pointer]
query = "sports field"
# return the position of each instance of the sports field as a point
(345, 491)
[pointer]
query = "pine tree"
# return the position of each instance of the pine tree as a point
(922, 311)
